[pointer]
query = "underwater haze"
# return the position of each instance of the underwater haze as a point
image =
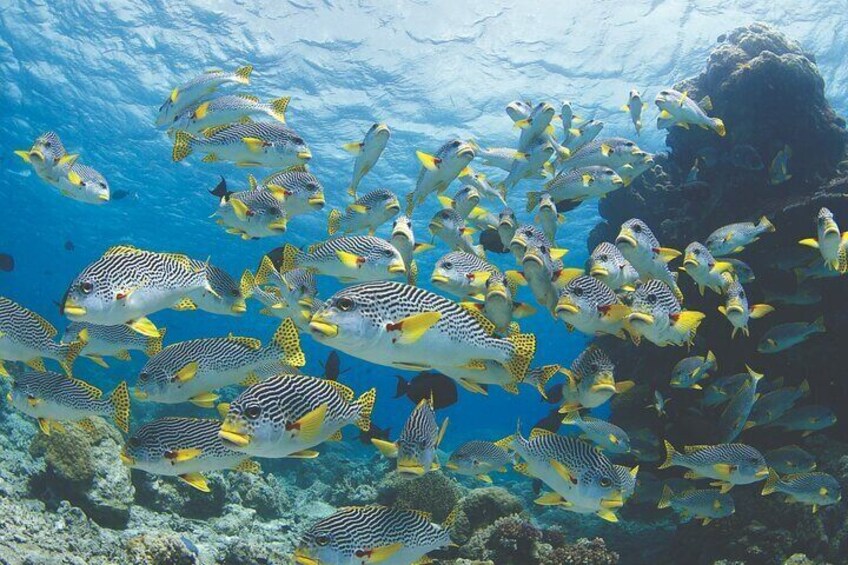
(97, 73)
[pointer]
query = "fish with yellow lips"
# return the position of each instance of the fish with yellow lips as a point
(592, 307)
(736, 308)
(591, 381)
(348, 258)
(829, 241)
(368, 212)
(657, 316)
(640, 246)
(367, 153)
(415, 448)
(439, 170)
(705, 270)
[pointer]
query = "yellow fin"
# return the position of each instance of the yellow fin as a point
(254, 144)
(304, 454)
(248, 466)
(354, 147)
(182, 455)
(809, 242)
(760, 310)
(429, 162)
(668, 254)
(387, 448)
(380, 554)
(187, 372)
(240, 209)
(413, 327)
(350, 260)
(310, 424)
(557, 253)
(561, 470)
(550, 499)
(144, 326)
(358, 208)
(196, 480)
(204, 399)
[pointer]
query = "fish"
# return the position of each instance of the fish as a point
(592, 307)
(610, 152)
(783, 336)
(185, 448)
(538, 378)
(605, 435)
(608, 265)
(428, 385)
(591, 381)
(7, 263)
(228, 109)
(226, 297)
(403, 239)
(297, 285)
(741, 270)
(189, 371)
(582, 135)
(286, 415)
(415, 448)
(371, 534)
(544, 275)
(567, 117)
(641, 247)
(497, 157)
(332, 367)
(729, 464)
(689, 371)
(480, 182)
(449, 226)
(52, 398)
(463, 274)
(499, 304)
(830, 242)
(577, 185)
(45, 156)
(817, 270)
(367, 213)
(303, 192)
(790, 459)
(734, 417)
(772, 405)
(278, 306)
(111, 341)
(746, 158)
(348, 258)
(806, 419)
(198, 88)
(477, 378)
(737, 309)
(657, 316)
(126, 284)
(535, 125)
(659, 404)
(251, 214)
(702, 504)
(398, 325)
(529, 236)
(734, 238)
(677, 109)
(507, 226)
(256, 144)
(706, 270)
(479, 458)
(69, 245)
(530, 164)
(779, 168)
(518, 110)
(463, 202)
(27, 337)
(723, 388)
(81, 182)
(374, 432)
(548, 217)
(801, 296)
(368, 152)
(635, 106)
(812, 489)
(582, 478)
(439, 170)
(634, 170)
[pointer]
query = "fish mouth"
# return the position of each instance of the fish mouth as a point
(496, 292)
(611, 503)
(234, 434)
(465, 151)
(397, 268)
(640, 317)
(319, 325)
(381, 128)
(530, 257)
(439, 279)
(103, 197)
(305, 155)
(831, 229)
(316, 201)
(140, 394)
(305, 302)
(626, 237)
(127, 460)
(36, 154)
(762, 473)
(451, 465)
(599, 272)
(73, 309)
(602, 388)
(617, 180)
(410, 469)
(279, 225)
(239, 308)
(567, 308)
(506, 224)
(435, 226)
(302, 557)
(394, 207)
(690, 260)
(735, 307)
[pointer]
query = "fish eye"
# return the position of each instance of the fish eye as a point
(388, 253)
(605, 482)
(86, 287)
(323, 540)
(302, 289)
(102, 184)
(754, 461)
(312, 187)
(253, 411)
(630, 144)
(696, 251)
(48, 144)
(447, 265)
(652, 299)
(544, 249)
(608, 173)
(344, 304)
(603, 258)
(298, 140)
(143, 376)
(637, 228)
(577, 291)
(741, 293)
(593, 367)
(455, 143)
(234, 292)
(133, 442)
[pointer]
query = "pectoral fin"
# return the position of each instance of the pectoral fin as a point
(412, 328)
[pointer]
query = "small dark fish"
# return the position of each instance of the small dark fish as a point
(567, 205)
(276, 256)
(69, 245)
(428, 385)
(374, 432)
(190, 545)
(221, 190)
(332, 367)
(537, 487)
(119, 194)
(551, 422)
(7, 262)
(553, 394)
(746, 157)
(491, 241)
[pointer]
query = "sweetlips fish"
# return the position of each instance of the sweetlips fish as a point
(605, 435)
(531, 163)
(592, 307)
(46, 155)
(545, 276)
(729, 464)
(812, 489)
(806, 419)
(774, 404)
(403, 239)
(547, 217)
(790, 459)
(591, 381)
(677, 109)
(449, 226)
(529, 236)
(254, 213)
(612, 152)
(111, 341)
(287, 415)
(372, 534)
(657, 316)
(198, 88)
(688, 372)
(706, 270)
(499, 302)
(480, 182)
(297, 285)
(829, 241)
(126, 284)
(185, 448)
(640, 246)
(736, 308)
(368, 152)
(784, 336)
(256, 144)
(635, 106)
(463, 202)
(226, 297)
(302, 190)
(779, 168)
(415, 449)
(581, 135)
(733, 238)
(567, 117)
(733, 418)
(80, 182)
(368, 212)
(535, 125)
(702, 504)
(228, 109)
(189, 371)
(498, 157)
(348, 258)
(52, 398)
(27, 337)
(398, 325)
(463, 274)
(607, 264)
(439, 170)
(507, 226)
(479, 458)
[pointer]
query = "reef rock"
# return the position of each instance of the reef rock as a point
(434, 492)
(159, 548)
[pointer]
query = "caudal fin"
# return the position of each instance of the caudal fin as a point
(243, 74)
(533, 198)
(278, 108)
(402, 386)
(72, 351)
(771, 482)
(265, 272)
(287, 340)
(182, 145)
(291, 254)
(718, 126)
(366, 406)
(524, 348)
(246, 284)
(766, 225)
(119, 400)
(669, 455)
(665, 499)
(818, 325)
(334, 222)
(154, 344)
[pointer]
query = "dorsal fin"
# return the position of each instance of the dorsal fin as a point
(487, 325)
(121, 250)
(346, 392)
(92, 390)
(248, 342)
(694, 448)
(539, 432)
(296, 169)
(45, 325)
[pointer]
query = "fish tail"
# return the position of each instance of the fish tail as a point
(334, 222)
(533, 198)
(669, 455)
(771, 482)
(523, 349)
(71, 351)
(718, 126)
(665, 499)
(366, 406)
(287, 341)
(278, 108)
(291, 256)
(402, 386)
(154, 343)
(264, 272)
(119, 401)
(410, 203)
(243, 74)
(818, 325)
(182, 145)
(545, 375)
(766, 225)
(351, 190)
(246, 284)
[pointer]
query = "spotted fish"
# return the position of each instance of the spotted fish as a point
(591, 307)
(607, 264)
(640, 246)
(829, 241)
(705, 270)
(46, 155)
(111, 341)
(737, 309)
(657, 316)
(415, 448)
(591, 381)
(463, 274)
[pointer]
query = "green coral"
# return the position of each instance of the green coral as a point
(433, 492)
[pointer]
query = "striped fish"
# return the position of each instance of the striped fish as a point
(627, 476)
(451, 228)
(705, 270)
(111, 341)
(611, 152)
(591, 381)
(605, 435)
(463, 274)
(464, 201)
(545, 275)
(287, 415)
(415, 449)
(296, 285)
(226, 297)
(228, 109)
(439, 170)
(814, 489)
(592, 307)
(529, 236)
(372, 534)
(736, 308)
(582, 478)
(252, 214)
(702, 504)
(398, 325)
(403, 239)
(533, 161)
(25, 336)
(303, 191)
(81, 182)
(198, 88)
(607, 264)
(282, 304)
(498, 157)
(479, 458)
(368, 212)
(45, 156)
(734, 417)
(367, 153)
(577, 185)
(189, 371)
(354, 258)
(53, 398)
(184, 448)
(126, 284)
(257, 144)
(578, 137)
(507, 226)
(657, 316)
(640, 246)
(728, 463)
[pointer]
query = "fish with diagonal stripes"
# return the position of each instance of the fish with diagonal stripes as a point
(415, 449)
(199, 88)
(111, 341)
(256, 144)
(354, 258)
(640, 246)
(302, 190)
(367, 213)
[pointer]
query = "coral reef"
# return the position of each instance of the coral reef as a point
(480, 508)
(435, 493)
(159, 548)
